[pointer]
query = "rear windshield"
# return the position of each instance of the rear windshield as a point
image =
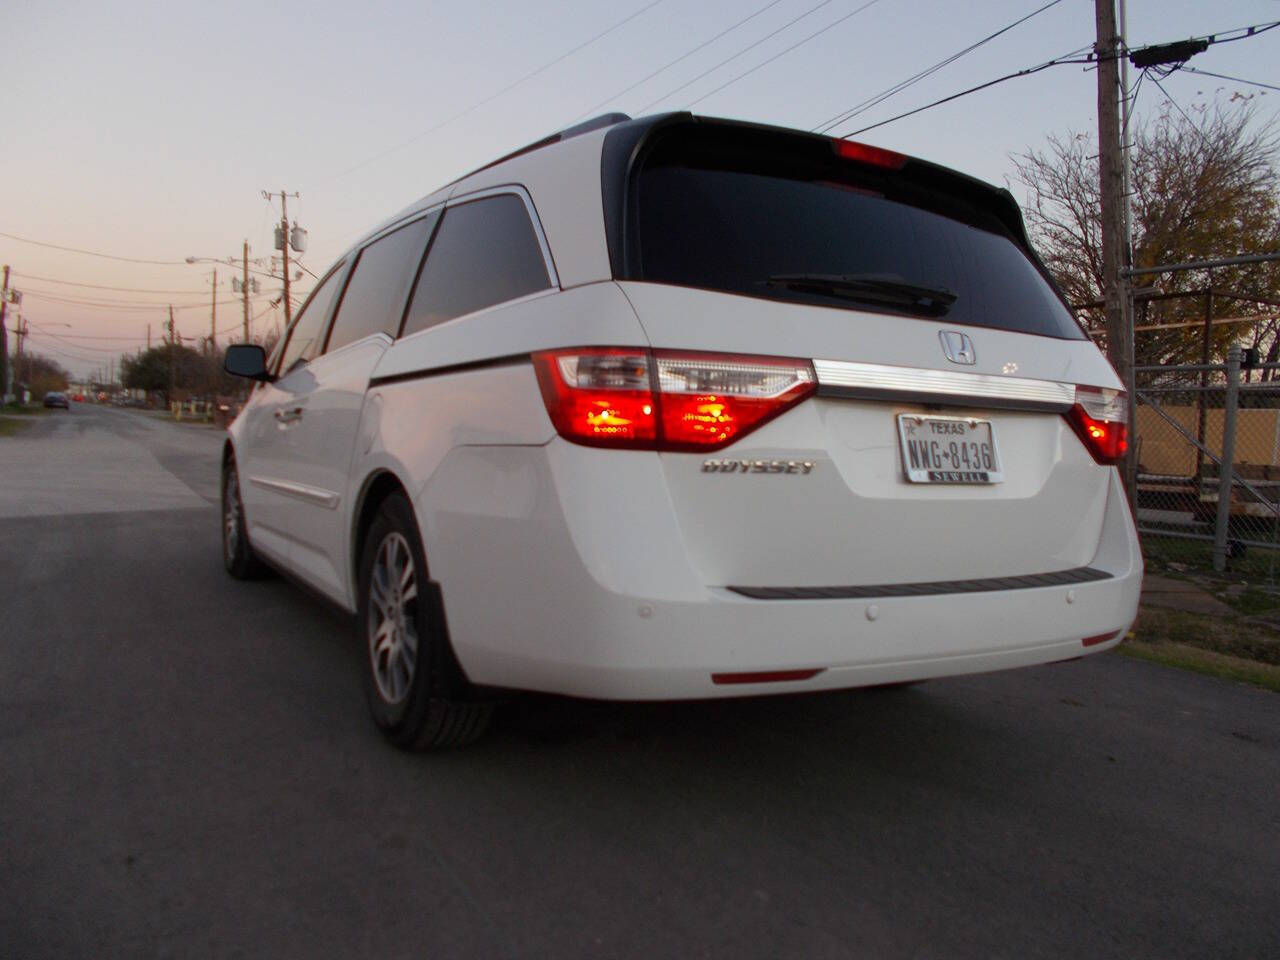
(706, 213)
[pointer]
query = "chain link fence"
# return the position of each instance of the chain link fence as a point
(1201, 430)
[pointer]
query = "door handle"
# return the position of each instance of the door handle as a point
(289, 416)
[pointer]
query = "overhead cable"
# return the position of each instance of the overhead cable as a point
(98, 286)
(1185, 116)
(928, 71)
(1228, 36)
(781, 53)
(93, 253)
(86, 336)
(591, 111)
(1223, 76)
(494, 96)
(1073, 57)
(812, 10)
(41, 333)
(132, 304)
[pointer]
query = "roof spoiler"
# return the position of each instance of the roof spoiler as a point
(577, 130)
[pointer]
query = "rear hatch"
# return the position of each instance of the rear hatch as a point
(946, 435)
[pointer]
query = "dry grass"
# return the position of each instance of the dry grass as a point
(1185, 657)
(1233, 649)
(10, 426)
(1234, 637)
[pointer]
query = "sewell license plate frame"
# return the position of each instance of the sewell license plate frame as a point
(932, 464)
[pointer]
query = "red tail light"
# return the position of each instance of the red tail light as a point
(1101, 418)
(664, 399)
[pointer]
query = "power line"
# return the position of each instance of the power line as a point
(128, 304)
(86, 336)
(1057, 62)
(93, 253)
(852, 13)
(489, 99)
(1228, 36)
(767, 36)
(1185, 116)
(62, 351)
(98, 286)
(590, 111)
(1240, 33)
(65, 297)
(928, 71)
(109, 304)
(80, 347)
(1223, 76)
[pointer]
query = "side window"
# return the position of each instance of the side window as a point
(485, 252)
(308, 328)
(380, 283)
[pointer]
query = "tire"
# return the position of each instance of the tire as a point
(416, 691)
(237, 555)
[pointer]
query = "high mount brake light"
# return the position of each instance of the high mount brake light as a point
(865, 153)
(1101, 419)
(665, 399)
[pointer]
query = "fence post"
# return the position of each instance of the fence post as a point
(1225, 469)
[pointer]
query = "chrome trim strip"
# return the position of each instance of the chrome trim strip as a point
(321, 498)
(876, 381)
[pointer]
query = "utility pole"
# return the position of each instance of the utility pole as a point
(282, 244)
(17, 357)
(172, 377)
(148, 334)
(4, 337)
(1111, 171)
(213, 314)
(245, 290)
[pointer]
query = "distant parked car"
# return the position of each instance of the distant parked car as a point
(55, 399)
(78, 398)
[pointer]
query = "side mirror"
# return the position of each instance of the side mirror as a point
(247, 360)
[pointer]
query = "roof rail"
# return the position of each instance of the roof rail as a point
(595, 123)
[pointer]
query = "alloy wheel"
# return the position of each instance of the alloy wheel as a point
(391, 626)
(231, 515)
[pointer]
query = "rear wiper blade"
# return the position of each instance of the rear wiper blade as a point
(869, 288)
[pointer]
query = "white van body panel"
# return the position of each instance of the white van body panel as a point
(638, 574)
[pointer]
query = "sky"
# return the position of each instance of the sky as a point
(149, 130)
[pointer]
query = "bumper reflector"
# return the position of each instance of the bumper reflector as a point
(771, 676)
(1101, 638)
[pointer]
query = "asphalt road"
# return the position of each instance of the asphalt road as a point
(188, 771)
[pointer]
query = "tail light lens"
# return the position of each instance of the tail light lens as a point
(1101, 418)
(666, 400)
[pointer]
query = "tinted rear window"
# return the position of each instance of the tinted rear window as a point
(722, 221)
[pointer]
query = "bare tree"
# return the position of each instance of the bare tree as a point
(1204, 186)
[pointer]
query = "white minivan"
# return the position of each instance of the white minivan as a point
(680, 407)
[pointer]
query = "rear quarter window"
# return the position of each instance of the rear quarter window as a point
(485, 252)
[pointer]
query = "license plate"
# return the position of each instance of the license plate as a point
(948, 449)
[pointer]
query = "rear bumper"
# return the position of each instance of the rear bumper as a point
(536, 602)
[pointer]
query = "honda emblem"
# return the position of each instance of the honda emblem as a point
(957, 347)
